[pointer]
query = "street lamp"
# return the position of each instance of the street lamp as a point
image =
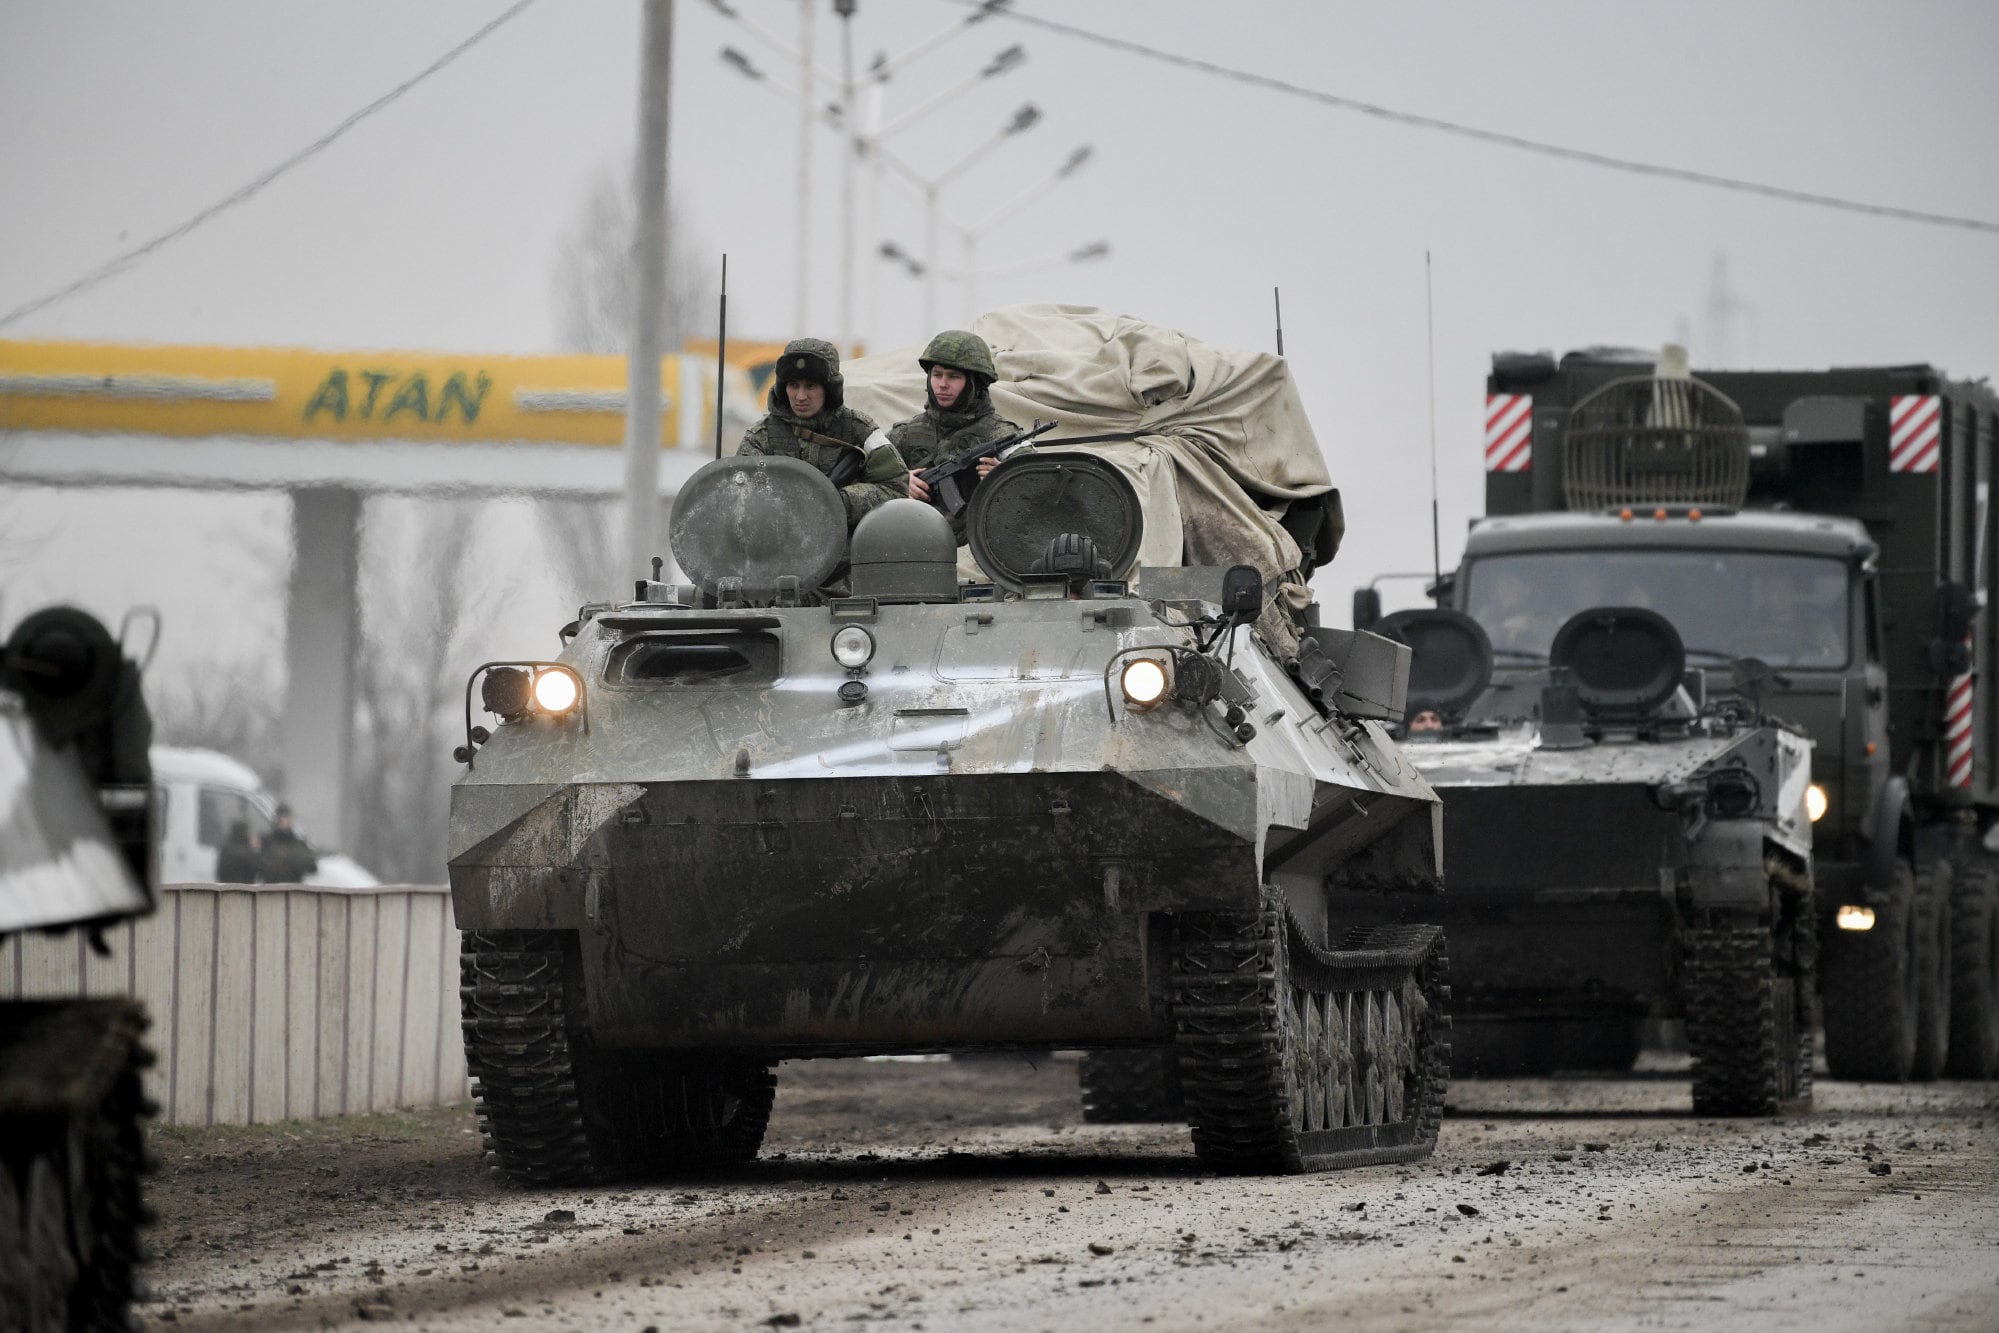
(1082, 254)
(969, 235)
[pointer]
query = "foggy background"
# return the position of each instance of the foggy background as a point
(471, 215)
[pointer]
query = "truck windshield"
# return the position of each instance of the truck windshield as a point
(1789, 610)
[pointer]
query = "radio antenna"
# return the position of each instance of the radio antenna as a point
(1430, 338)
(1277, 301)
(721, 354)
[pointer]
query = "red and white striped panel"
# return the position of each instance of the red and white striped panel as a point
(1509, 432)
(1915, 432)
(1957, 747)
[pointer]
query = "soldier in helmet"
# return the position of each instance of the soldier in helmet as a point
(809, 419)
(957, 412)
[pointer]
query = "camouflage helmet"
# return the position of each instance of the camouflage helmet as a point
(960, 350)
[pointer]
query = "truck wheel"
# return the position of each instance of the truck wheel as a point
(1869, 991)
(1974, 977)
(1933, 973)
(1750, 1055)
(1132, 1087)
(1296, 1057)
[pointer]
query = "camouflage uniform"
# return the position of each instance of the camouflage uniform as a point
(846, 433)
(938, 433)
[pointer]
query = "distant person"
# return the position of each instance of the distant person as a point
(240, 857)
(958, 413)
(810, 420)
(1427, 724)
(287, 858)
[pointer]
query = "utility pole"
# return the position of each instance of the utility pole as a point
(848, 153)
(806, 9)
(649, 270)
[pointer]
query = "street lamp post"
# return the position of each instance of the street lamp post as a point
(848, 156)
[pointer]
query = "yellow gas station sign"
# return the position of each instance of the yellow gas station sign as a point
(299, 393)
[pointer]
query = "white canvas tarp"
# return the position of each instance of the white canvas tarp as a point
(1221, 447)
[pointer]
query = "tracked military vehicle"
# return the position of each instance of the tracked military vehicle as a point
(1074, 802)
(1836, 525)
(75, 857)
(1623, 846)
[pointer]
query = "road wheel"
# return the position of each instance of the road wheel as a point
(1974, 976)
(1132, 1087)
(1870, 993)
(1932, 973)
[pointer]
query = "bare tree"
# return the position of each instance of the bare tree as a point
(228, 706)
(595, 306)
(594, 299)
(417, 635)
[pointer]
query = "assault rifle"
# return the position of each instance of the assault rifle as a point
(952, 481)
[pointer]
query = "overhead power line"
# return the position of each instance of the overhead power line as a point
(119, 263)
(1514, 141)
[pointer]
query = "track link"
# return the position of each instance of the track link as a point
(513, 996)
(1752, 1054)
(1299, 1058)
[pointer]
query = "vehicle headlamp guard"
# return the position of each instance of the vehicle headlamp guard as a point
(535, 669)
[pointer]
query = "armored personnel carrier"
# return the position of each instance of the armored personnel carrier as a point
(74, 857)
(1622, 846)
(1074, 802)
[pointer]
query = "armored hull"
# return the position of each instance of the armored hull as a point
(979, 852)
(1574, 870)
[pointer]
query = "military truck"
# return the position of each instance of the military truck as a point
(1073, 802)
(75, 857)
(1623, 846)
(1834, 526)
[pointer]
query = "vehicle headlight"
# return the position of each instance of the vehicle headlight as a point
(1854, 918)
(1143, 681)
(555, 690)
(853, 647)
(1816, 804)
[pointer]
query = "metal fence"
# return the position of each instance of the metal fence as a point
(276, 1002)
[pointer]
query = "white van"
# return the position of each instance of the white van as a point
(200, 794)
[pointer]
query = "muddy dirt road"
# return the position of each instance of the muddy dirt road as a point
(969, 1196)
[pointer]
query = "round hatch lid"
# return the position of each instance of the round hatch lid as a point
(1035, 497)
(1450, 661)
(1625, 660)
(758, 519)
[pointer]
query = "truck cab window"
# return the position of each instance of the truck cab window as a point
(1789, 610)
(217, 811)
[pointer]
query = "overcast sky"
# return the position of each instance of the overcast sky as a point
(435, 224)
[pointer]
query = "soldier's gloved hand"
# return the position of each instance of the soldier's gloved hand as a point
(918, 488)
